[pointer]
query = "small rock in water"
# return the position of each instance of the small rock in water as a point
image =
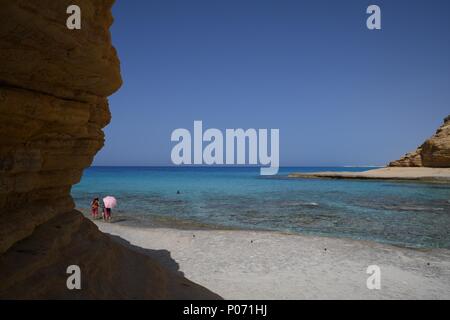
(193, 236)
(428, 263)
(251, 241)
(325, 249)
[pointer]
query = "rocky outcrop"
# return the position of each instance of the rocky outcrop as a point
(35, 268)
(434, 153)
(53, 88)
(54, 84)
(411, 159)
(437, 175)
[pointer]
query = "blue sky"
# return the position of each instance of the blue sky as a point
(339, 93)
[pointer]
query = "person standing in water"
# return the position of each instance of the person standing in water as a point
(109, 202)
(107, 214)
(95, 204)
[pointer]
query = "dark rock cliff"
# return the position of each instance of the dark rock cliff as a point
(54, 85)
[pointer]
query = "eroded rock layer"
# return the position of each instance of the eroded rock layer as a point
(35, 268)
(434, 153)
(54, 84)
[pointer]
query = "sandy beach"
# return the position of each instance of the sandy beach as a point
(388, 173)
(271, 265)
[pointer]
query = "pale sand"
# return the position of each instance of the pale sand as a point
(270, 265)
(393, 173)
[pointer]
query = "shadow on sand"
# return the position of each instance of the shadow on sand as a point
(162, 257)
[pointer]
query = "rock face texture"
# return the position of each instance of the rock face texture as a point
(434, 153)
(54, 84)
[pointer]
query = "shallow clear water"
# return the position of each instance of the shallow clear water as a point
(402, 213)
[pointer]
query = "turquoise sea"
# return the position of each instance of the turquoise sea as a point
(402, 213)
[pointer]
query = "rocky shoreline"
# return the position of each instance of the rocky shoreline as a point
(430, 175)
(429, 163)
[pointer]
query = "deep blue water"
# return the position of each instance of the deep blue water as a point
(402, 213)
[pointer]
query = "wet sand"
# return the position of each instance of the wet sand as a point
(270, 265)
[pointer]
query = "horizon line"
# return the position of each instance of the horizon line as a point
(240, 166)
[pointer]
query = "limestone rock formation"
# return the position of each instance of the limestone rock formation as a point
(435, 152)
(54, 84)
(411, 159)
